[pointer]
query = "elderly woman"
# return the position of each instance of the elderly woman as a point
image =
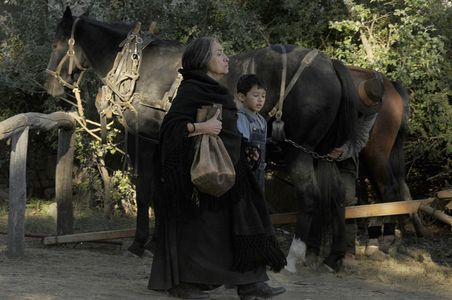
(204, 241)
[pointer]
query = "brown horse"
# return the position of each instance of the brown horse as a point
(386, 135)
(383, 160)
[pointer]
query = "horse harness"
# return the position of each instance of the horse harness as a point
(278, 134)
(118, 91)
(284, 91)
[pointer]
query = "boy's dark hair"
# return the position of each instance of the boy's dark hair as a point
(197, 54)
(247, 81)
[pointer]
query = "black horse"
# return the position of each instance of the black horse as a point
(96, 47)
(318, 112)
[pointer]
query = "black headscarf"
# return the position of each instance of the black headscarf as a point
(254, 242)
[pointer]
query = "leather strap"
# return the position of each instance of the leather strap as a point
(284, 91)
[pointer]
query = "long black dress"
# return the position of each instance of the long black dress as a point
(200, 238)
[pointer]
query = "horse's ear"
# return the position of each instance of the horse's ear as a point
(67, 14)
(66, 22)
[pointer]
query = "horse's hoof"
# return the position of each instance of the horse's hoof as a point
(128, 253)
(386, 242)
(324, 268)
(290, 269)
(350, 260)
(373, 251)
(150, 246)
(311, 261)
(136, 249)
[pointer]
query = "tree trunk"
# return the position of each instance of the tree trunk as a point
(106, 182)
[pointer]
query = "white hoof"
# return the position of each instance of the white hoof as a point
(297, 253)
(298, 250)
(291, 266)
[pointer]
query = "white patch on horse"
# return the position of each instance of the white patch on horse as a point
(297, 252)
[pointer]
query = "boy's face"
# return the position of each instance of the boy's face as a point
(254, 100)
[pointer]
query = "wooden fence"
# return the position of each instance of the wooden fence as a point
(17, 128)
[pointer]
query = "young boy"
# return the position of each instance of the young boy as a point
(252, 126)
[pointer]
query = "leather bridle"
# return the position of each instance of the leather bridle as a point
(73, 60)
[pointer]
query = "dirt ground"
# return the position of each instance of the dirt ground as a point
(105, 271)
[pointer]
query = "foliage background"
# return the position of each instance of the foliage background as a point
(408, 40)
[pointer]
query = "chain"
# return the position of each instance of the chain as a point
(312, 153)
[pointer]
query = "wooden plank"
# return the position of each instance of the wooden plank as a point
(437, 214)
(449, 205)
(89, 236)
(361, 211)
(364, 211)
(285, 218)
(63, 181)
(17, 194)
(445, 194)
(385, 209)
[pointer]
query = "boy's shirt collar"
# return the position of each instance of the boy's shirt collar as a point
(249, 111)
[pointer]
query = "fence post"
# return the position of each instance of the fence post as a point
(17, 193)
(63, 181)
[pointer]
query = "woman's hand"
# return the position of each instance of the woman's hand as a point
(212, 126)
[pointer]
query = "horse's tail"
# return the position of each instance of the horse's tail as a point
(397, 157)
(342, 130)
(332, 194)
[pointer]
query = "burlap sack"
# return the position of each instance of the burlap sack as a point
(212, 171)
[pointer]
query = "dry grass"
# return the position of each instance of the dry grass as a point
(411, 268)
(40, 218)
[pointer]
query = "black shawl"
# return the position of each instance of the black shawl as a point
(254, 242)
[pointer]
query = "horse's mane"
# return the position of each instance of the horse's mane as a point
(120, 28)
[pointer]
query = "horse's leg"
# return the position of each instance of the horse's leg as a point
(332, 196)
(339, 241)
(383, 157)
(377, 162)
(302, 173)
(142, 159)
(348, 171)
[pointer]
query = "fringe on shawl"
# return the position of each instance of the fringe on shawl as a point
(253, 251)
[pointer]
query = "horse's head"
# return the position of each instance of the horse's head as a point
(67, 59)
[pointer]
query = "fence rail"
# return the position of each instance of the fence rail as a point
(17, 128)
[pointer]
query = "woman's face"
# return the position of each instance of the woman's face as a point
(219, 63)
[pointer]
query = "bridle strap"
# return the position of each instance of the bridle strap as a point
(73, 59)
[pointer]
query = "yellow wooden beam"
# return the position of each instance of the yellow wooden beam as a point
(364, 211)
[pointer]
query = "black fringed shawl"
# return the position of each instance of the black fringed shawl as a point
(254, 242)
